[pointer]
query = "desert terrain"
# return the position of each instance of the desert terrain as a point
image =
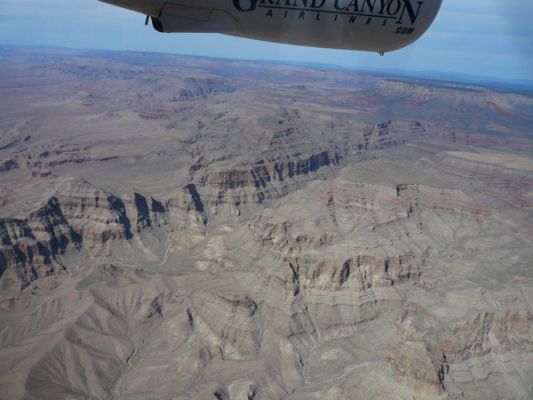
(193, 228)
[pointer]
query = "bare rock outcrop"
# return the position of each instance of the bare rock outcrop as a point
(78, 215)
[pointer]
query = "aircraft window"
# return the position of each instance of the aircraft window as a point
(266, 199)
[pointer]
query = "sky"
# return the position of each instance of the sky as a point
(482, 38)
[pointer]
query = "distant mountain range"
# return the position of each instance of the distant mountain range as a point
(450, 77)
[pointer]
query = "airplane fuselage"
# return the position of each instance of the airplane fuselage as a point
(371, 25)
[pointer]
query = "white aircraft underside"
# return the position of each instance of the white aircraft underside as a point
(370, 25)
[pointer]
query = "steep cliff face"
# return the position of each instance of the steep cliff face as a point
(201, 88)
(22, 258)
(485, 333)
(263, 174)
(95, 214)
(485, 340)
(357, 290)
(238, 191)
(388, 134)
(78, 216)
(30, 247)
(144, 213)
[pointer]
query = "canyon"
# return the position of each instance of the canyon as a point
(192, 228)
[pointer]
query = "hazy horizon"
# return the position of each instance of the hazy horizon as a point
(430, 75)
